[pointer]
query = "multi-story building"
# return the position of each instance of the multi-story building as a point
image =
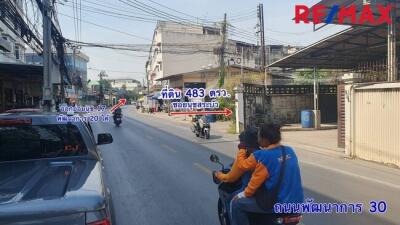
(277, 52)
(20, 84)
(188, 55)
(77, 67)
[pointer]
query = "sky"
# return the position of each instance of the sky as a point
(99, 28)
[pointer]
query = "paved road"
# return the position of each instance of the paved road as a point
(159, 174)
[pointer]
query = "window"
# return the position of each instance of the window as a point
(17, 55)
(24, 142)
(160, 66)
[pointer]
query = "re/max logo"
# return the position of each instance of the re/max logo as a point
(322, 14)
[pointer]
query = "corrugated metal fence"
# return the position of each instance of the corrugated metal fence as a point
(376, 133)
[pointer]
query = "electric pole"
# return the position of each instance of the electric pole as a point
(262, 34)
(392, 56)
(222, 54)
(47, 97)
(262, 40)
(101, 76)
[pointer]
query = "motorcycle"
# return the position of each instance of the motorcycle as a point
(226, 193)
(201, 127)
(117, 119)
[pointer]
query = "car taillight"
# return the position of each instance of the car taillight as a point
(101, 222)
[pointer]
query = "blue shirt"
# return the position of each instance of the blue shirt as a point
(291, 189)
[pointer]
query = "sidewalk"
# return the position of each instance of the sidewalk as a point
(324, 141)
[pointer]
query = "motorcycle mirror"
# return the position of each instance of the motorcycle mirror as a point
(214, 158)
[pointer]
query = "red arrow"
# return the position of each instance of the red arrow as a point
(226, 112)
(120, 103)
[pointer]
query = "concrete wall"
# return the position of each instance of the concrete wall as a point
(194, 54)
(287, 108)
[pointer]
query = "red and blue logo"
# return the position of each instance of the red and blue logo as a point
(369, 15)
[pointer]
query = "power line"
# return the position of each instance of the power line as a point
(150, 10)
(108, 28)
(115, 14)
(174, 10)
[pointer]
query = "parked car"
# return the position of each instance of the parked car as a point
(51, 172)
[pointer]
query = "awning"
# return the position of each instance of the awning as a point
(19, 70)
(344, 50)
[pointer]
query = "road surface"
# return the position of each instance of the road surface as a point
(159, 174)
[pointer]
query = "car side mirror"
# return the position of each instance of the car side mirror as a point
(103, 139)
(214, 158)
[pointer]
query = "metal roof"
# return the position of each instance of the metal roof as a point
(344, 50)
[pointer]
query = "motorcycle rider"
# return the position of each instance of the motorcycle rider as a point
(249, 142)
(266, 164)
(117, 112)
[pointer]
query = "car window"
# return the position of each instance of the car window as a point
(23, 142)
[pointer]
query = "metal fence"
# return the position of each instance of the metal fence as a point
(283, 104)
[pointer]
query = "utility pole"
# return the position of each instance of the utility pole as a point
(262, 34)
(262, 41)
(47, 96)
(102, 75)
(241, 65)
(222, 54)
(392, 57)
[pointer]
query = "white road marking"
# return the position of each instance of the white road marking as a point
(202, 168)
(169, 148)
(352, 175)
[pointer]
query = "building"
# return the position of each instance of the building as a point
(187, 56)
(127, 84)
(277, 52)
(76, 63)
(20, 83)
(368, 99)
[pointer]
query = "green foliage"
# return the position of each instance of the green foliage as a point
(228, 103)
(106, 84)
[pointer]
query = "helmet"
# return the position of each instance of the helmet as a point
(251, 137)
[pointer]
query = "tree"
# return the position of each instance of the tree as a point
(124, 87)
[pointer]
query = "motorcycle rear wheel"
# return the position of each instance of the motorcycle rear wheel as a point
(207, 134)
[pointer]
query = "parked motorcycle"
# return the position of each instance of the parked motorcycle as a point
(226, 193)
(201, 127)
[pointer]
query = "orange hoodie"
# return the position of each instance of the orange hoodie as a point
(234, 174)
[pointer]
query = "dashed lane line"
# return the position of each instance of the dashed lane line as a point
(169, 148)
(202, 168)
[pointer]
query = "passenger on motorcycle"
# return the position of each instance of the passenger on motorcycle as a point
(267, 164)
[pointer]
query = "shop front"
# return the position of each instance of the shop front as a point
(20, 86)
